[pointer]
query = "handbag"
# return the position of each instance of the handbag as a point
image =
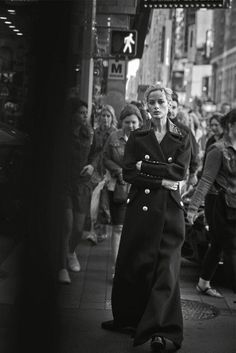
(120, 193)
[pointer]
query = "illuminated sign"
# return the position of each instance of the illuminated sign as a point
(123, 43)
(210, 4)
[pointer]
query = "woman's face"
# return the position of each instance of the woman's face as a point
(216, 127)
(106, 119)
(130, 123)
(157, 105)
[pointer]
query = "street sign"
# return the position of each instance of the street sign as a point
(210, 4)
(123, 43)
(116, 69)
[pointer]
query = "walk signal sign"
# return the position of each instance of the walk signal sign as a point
(123, 43)
(210, 4)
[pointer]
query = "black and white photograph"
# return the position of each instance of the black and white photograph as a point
(117, 176)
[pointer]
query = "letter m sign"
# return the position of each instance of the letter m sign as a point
(116, 70)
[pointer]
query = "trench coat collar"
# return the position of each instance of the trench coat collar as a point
(170, 141)
(173, 129)
(172, 132)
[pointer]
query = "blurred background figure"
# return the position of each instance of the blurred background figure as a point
(146, 116)
(130, 120)
(218, 186)
(225, 108)
(181, 119)
(216, 131)
(77, 187)
(107, 123)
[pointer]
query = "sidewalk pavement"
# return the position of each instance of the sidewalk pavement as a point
(209, 323)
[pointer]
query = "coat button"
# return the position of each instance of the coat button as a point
(147, 157)
(147, 191)
(181, 203)
(128, 200)
(145, 208)
(170, 159)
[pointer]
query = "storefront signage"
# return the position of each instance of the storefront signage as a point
(210, 4)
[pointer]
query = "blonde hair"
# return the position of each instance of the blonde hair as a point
(108, 108)
(160, 87)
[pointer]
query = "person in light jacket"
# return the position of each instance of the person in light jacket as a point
(218, 184)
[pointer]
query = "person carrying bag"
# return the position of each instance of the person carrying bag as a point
(113, 153)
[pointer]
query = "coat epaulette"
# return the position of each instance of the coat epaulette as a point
(174, 129)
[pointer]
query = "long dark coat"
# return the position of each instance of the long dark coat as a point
(145, 292)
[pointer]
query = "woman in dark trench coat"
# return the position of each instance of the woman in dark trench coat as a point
(145, 293)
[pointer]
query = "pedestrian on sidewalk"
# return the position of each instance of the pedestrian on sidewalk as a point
(77, 187)
(194, 160)
(107, 124)
(216, 132)
(218, 180)
(145, 293)
(130, 120)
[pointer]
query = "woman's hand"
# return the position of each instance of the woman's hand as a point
(87, 170)
(138, 165)
(191, 216)
(192, 180)
(170, 184)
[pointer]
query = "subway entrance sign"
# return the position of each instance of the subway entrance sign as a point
(209, 4)
(116, 70)
(123, 43)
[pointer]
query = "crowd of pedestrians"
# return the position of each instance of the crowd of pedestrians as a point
(139, 166)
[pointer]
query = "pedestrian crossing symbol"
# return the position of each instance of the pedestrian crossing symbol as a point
(123, 43)
(128, 41)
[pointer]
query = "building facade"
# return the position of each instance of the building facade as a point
(191, 74)
(155, 63)
(177, 52)
(224, 56)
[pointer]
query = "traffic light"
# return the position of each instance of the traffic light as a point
(123, 43)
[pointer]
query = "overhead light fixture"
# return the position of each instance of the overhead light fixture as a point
(8, 22)
(12, 12)
(3, 18)
(16, 30)
(19, 34)
(12, 26)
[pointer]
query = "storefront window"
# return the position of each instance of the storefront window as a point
(14, 65)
